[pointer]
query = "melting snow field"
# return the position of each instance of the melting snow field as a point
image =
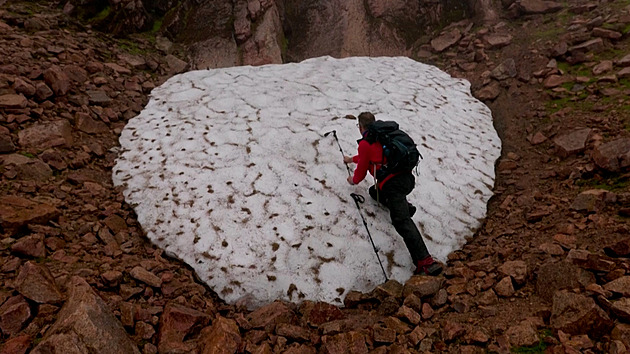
(229, 170)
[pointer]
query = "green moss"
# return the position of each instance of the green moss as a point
(538, 348)
(27, 154)
(613, 184)
(101, 15)
(157, 25)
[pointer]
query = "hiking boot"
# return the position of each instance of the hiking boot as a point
(428, 266)
(412, 209)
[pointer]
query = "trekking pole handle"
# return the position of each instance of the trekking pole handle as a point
(357, 198)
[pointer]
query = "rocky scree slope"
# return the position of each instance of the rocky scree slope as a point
(549, 269)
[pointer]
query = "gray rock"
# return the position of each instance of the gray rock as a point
(495, 41)
(86, 324)
(98, 97)
(505, 70)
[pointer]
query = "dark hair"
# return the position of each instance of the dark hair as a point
(365, 119)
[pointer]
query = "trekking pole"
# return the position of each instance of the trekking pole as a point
(334, 133)
(359, 199)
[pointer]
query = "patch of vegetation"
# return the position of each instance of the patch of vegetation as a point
(130, 47)
(27, 154)
(101, 15)
(613, 183)
(157, 25)
(538, 348)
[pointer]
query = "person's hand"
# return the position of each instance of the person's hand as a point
(347, 159)
(349, 179)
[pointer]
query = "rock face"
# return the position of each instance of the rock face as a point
(85, 324)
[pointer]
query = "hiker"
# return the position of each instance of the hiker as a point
(391, 191)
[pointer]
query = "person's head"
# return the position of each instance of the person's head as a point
(365, 119)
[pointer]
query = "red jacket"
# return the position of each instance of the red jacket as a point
(369, 158)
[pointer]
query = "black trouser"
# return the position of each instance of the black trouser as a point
(394, 196)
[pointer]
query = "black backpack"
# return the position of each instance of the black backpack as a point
(398, 148)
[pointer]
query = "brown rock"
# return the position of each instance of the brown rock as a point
(391, 288)
(31, 246)
(573, 142)
(222, 337)
(605, 33)
(23, 87)
(146, 277)
(619, 249)
(625, 61)
(57, 79)
(578, 314)
(384, 334)
(452, 330)
(271, 315)
(17, 212)
(76, 73)
(43, 92)
(85, 322)
(593, 45)
(17, 345)
(175, 324)
(12, 101)
(14, 315)
(112, 277)
(621, 332)
(617, 347)
(98, 97)
(47, 135)
(505, 288)
(416, 336)
(144, 330)
(293, 332)
(117, 68)
(613, 156)
(516, 269)
(590, 201)
(523, 334)
(551, 248)
(408, 314)
(489, 92)
(623, 73)
(530, 7)
(603, 67)
(621, 309)
(349, 342)
(556, 80)
(585, 259)
(37, 283)
(495, 41)
(320, 312)
(88, 125)
(446, 40)
(6, 143)
(175, 64)
(619, 286)
(554, 276)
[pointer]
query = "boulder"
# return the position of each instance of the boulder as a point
(14, 315)
(222, 337)
(495, 41)
(515, 269)
(613, 156)
(504, 287)
(554, 276)
(446, 40)
(17, 212)
(422, 286)
(619, 249)
(505, 70)
(593, 45)
(606, 33)
(175, 324)
(621, 309)
(57, 80)
(489, 92)
(85, 324)
(573, 142)
(146, 277)
(619, 286)
(30, 246)
(17, 345)
(523, 334)
(88, 125)
(590, 261)
(590, 201)
(46, 135)
(269, 316)
(349, 342)
(12, 101)
(603, 67)
(320, 312)
(293, 332)
(37, 283)
(578, 314)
